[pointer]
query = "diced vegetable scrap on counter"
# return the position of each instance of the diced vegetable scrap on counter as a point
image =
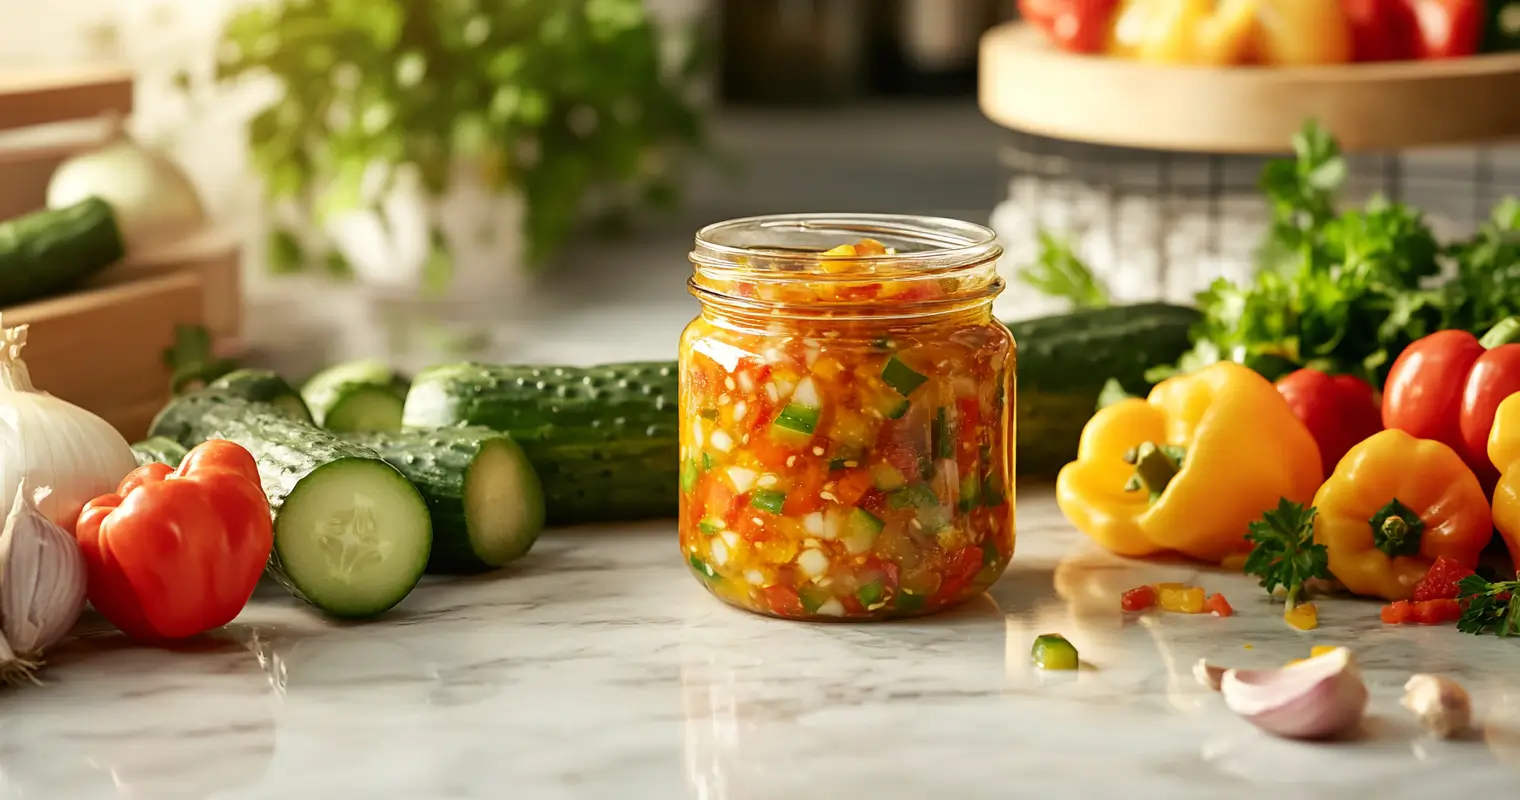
(1052, 651)
(845, 467)
(1304, 617)
(1175, 597)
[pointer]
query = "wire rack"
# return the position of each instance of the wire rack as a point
(1163, 225)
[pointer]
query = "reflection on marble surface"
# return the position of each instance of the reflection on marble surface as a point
(597, 668)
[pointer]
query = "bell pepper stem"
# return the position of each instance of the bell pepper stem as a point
(1396, 529)
(1155, 466)
(1506, 331)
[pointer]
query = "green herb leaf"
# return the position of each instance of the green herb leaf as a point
(1113, 392)
(1489, 607)
(1058, 272)
(1284, 552)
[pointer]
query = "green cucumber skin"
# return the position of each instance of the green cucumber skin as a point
(159, 450)
(286, 450)
(263, 386)
(437, 463)
(47, 252)
(330, 388)
(603, 440)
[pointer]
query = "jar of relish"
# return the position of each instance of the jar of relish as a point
(846, 403)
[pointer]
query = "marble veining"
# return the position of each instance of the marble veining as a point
(598, 668)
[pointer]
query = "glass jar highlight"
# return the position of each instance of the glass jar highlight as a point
(846, 416)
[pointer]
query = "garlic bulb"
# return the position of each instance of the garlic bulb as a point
(42, 579)
(54, 443)
(154, 201)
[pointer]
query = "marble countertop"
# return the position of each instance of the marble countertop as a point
(598, 668)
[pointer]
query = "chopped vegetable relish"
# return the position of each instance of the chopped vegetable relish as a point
(840, 465)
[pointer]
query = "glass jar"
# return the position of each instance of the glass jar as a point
(846, 416)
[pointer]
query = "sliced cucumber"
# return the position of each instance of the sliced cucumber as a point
(485, 500)
(351, 534)
(902, 378)
(887, 477)
(263, 386)
(356, 396)
(159, 450)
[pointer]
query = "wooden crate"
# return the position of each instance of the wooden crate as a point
(102, 349)
(102, 346)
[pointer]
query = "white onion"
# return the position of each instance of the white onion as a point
(153, 201)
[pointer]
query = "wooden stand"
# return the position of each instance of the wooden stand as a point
(101, 347)
(1029, 85)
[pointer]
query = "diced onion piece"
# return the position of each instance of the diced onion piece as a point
(719, 552)
(813, 563)
(722, 442)
(742, 479)
(813, 523)
(833, 522)
(806, 394)
(831, 608)
(746, 382)
(740, 409)
(755, 577)
(696, 432)
(784, 388)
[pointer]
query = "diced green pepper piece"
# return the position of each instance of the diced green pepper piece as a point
(870, 594)
(768, 500)
(689, 475)
(707, 461)
(708, 413)
(919, 495)
(901, 377)
(799, 418)
(710, 526)
(992, 490)
(812, 599)
(1052, 651)
(944, 442)
(703, 568)
(908, 601)
(864, 522)
(971, 492)
(887, 477)
(893, 407)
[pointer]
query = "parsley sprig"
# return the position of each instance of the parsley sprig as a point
(1489, 606)
(1284, 552)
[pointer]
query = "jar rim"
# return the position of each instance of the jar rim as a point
(950, 243)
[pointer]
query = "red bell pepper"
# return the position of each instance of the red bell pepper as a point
(1447, 386)
(1076, 26)
(1381, 30)
(177, 552)
(1447, 28)
(1340, 411)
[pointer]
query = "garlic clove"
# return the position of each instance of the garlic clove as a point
(1316, 698)
(42, 578)
(1443, 706)
(1208, 675)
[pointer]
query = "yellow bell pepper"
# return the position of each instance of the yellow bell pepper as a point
(1198, 32)
(1229, 32)
(1188, 468)
(1504, 452)
(1392, 507)
(1301, 32)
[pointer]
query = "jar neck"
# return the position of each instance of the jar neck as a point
(723, 312)
(846, 267)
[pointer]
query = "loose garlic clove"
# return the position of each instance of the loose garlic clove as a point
(1317, 698)
(1442, 705)
(1208, 675)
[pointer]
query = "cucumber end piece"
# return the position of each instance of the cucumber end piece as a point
(353, 538)
(364, 409)
(504, 503)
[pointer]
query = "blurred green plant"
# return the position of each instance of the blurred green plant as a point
(555, 99)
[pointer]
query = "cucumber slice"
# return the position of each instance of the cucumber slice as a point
(887, 477)
(768, 500)
(351, 534)
(902, 378)
(159, 450)
(356, 396)
(1053, 651)
(798, 418)
(263, 386)
(485, 500)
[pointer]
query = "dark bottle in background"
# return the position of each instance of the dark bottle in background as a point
(793, 52)
(929, 47)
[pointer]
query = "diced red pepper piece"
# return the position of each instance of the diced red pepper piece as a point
(1138, 599)
(783, 600)
(1397, 612)
(1218, 606)
(804, 497)
(851, 486)
(1440, 583)
(1436, 612)
(959, 570)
